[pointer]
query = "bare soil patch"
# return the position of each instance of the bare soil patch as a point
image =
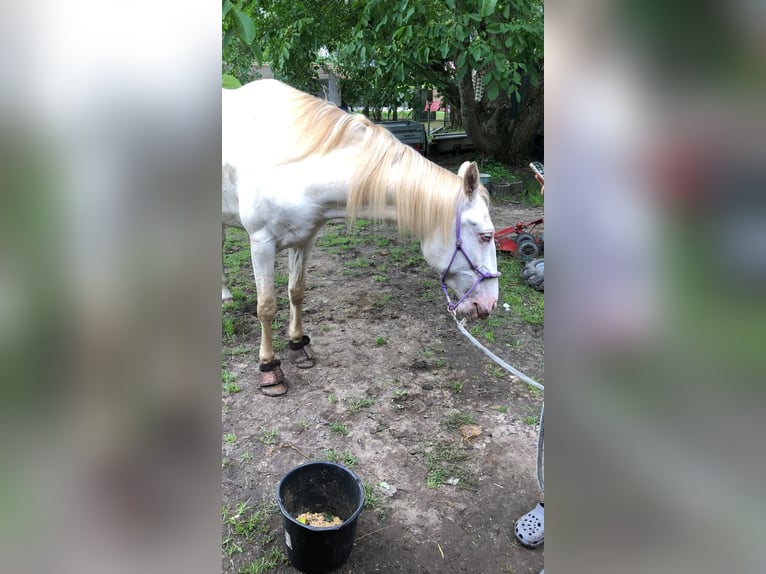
(443, 439)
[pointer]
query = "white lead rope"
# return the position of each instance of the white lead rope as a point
(523, 377)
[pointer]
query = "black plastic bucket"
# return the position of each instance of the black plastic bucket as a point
(319, 487)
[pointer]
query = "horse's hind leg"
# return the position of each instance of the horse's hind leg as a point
(225, 294)
(272, 380)
(301, 354)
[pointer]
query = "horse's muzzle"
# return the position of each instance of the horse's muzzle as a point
(479, 307)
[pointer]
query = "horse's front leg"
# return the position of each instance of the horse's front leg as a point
(301, 354)
(272, 380)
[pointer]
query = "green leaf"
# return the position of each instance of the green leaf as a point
(227, 5)
(245, 26)
(451, 4)
(230, 82)
(488, 7)
(461, 61)
(444, 50)
(493, 90)
(228, 36)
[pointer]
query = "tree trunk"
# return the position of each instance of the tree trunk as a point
(469, 115)
(526, 123)
(509, 139)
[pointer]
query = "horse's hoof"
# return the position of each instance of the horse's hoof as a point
(275, 390)
(273, 383)
(301, 354)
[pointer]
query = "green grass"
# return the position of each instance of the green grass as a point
(358, 263)
(531, 420)
(495, 371)
(338, 238)
(486, 329)
(457, 419)
(229, 382)
(339, 428)
(383, 300)
(457, 387)
(525, 302)
(332, 399)
(380, 341)
(230, 437)
(268, 436)
(443, 463)
(266, 563)
(247, 526)
(361, 403)
(375, 501)
(345, 458)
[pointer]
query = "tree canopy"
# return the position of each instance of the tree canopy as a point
(484, 56)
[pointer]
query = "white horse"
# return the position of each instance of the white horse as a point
(291, 162)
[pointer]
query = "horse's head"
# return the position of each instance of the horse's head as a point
(467, 261)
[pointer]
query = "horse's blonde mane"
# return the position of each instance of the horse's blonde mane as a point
(388, 171)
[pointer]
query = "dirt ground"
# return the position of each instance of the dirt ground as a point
(395, 373)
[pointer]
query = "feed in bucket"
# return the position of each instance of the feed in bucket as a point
(319, 519)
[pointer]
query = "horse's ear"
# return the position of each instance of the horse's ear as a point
(469, 171)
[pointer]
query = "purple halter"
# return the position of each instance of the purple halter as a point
(482, 275)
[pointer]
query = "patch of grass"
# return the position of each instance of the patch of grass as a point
(379, 278)
(268, 436)
(443, 463)
(383, 300)
(332, 399)
(229, 381)
(229, 327)
(525, 302)
(396, 254)
(230, 437)
(238, 350)
(361, 403)
(495, 371)
(457, 387)
(486, 329)
(457, 419)
(266, 563)
(358, 263)
(281, 280)
(247, 525)
(531, 420)
(339, 428)
(501, 409)
(345, 458)
(380, 341)
(337, 238)
(401, 394)
(375, 501)
(279, 345)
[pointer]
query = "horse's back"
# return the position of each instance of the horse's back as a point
(255, 123)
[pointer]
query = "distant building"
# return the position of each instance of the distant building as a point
(330, 90)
